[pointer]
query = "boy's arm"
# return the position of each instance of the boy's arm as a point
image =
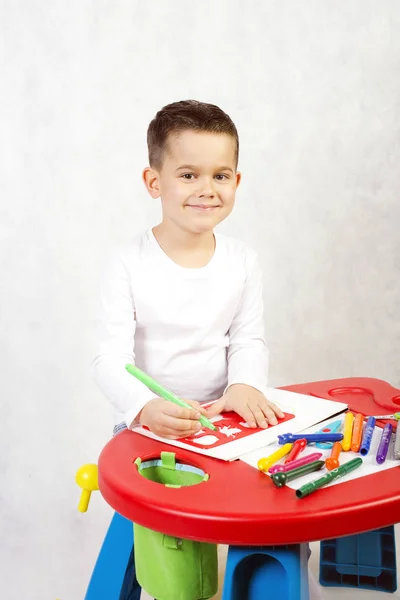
(116, 327)
(246, 392)
(248, 353)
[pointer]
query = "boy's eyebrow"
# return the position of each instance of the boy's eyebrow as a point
(194, 168)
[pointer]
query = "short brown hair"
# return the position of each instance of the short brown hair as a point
(182, 116)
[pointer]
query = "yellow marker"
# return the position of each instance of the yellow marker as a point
(265, 463)
(347, 431)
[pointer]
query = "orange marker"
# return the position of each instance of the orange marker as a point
(333, 461)
(298, 446)
(357, 433)
(347, 431)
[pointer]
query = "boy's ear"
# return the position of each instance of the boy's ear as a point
(238, 178)
(151, 181)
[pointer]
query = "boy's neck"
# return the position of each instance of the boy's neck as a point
(187, 249)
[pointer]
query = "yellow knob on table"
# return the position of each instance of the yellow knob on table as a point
(87, 479)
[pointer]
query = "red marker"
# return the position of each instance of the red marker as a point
(298, 446)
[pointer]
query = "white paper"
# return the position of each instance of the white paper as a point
(308, 410)
(369, 461)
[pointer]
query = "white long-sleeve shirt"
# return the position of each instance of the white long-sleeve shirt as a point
(195, 331)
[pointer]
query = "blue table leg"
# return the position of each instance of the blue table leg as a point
(254, 573)
(108, 575)
(366, 560)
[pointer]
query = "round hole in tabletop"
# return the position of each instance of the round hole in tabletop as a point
(167, 471)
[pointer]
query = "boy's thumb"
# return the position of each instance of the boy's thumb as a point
(216, 408)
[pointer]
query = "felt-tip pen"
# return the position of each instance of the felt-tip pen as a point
(287, 438)
(367, 437)
(384, 444)
(341, 471)
(164, 393)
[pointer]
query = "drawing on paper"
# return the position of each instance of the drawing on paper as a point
(230, 427)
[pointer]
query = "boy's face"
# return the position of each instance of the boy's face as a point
(197, 181)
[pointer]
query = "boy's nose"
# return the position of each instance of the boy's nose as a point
(206, 189)
(206, 194)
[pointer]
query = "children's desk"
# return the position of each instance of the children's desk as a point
(241, 506)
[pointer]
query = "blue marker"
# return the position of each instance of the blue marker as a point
(367, 437)
(287, 438)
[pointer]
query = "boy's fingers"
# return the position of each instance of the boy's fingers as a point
(269, 414)
(276, 410)
(183, 433)
(259, 417)
(197, 406)
(216, 408)
(247, 415)
(173, 434)
(180, 425)
(179, 412)
(167, 433)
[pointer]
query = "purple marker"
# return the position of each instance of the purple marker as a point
(384, 444)
(304, 460)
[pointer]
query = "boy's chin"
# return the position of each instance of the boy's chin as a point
(207, 226)
(199, 229)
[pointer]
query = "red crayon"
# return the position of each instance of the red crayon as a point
(298, 446)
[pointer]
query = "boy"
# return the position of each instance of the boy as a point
(181, 302)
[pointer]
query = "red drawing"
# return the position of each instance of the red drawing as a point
(230, 428)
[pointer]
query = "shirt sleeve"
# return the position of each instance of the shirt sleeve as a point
(248, 357)
(115, 333)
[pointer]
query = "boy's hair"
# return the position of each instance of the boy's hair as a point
(182, 116)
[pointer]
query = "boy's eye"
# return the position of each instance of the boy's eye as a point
(191, 176)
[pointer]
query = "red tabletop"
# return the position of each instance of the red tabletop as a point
(239, 505)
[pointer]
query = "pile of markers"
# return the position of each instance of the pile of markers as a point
(355, 437)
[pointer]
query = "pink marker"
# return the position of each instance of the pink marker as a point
(304, 460)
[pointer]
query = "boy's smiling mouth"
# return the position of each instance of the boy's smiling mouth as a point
(203, 207)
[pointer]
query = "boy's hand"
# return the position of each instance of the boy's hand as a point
(170, 421)
(249, 403)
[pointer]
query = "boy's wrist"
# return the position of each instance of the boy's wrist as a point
(238, 385)
(261, 389)
(138, 420)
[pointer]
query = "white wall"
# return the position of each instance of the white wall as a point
(314, 88)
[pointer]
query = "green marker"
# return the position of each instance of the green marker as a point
(164, 393)
(309, 488)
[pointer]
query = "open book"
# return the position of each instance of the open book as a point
(234, 438)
